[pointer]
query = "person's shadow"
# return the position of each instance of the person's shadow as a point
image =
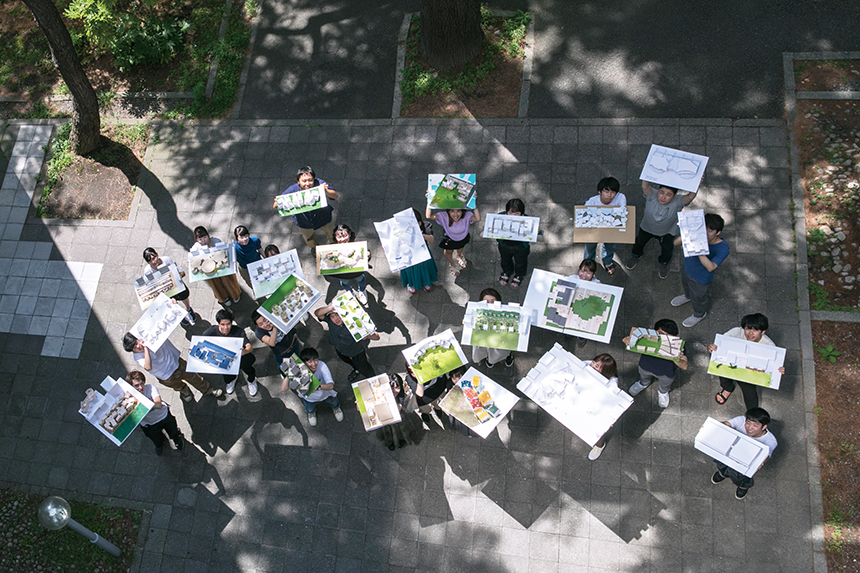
(272, 410)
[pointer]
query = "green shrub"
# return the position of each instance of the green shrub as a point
(99, 18)
(154, 42)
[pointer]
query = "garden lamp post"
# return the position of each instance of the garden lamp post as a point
(55, 513)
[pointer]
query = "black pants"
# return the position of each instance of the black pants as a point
(737, 477)
(750, 391)
(155, 433)
(667, 245)
(515, 257)
(246, 365)
(359, 362)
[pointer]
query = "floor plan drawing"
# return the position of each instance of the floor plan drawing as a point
(694, 235)
(674, 168)
(511, 228)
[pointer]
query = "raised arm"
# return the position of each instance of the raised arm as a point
(329, 192)
(476, 216)
(688, 198)
(646, 188)
(322, 311)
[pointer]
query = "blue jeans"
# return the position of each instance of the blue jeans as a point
(360, 280)
(608, 252)
(310, 407)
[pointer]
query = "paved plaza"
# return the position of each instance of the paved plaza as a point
(260, 490)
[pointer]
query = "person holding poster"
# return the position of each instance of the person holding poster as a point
(348, 349)
(455, 223)
(248, 249)
(607, 367)
(343, 234)
(514, 255)
(697, 272)
(754, 424)
(318, 219)
(325, 392)
(226, 289)
(608, 194)
(224, 326)
(282, 345)
(424, 273)
(492, 355)
(159, 419)
(153, 260)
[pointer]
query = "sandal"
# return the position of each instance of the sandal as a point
(516, 282)
(610, 268)
(455, 271)
(722, 397)
(462, 262)
(503, 280)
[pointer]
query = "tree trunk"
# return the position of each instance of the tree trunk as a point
(86, 123)
(451, 34)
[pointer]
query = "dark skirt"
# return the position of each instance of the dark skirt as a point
(449, 244)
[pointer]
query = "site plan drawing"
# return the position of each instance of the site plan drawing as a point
(375, 402)
(355, 318)
(158, 322)
(735, 449)
(289, 303)
(116, 412)
(648, 341)
(338, 258)
(674, 168)
(212, 262)
(434, 356)
(268, 274)
(451, 191)
(694, 235)
(575, 394)
(497, 325)
(573, 306)
(165, 279)
(301, 201)
(478, 402)
(214, 355)
(402, 240)
(511, 227)
(753, 362)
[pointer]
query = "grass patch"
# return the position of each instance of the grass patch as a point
(820, 300)
(61, 157)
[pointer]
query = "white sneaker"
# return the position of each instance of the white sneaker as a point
(312, 418)
(252, 388)
(361, 297)
(679, 300)
(663, 399)
(231, 387)
(636, 388)
(693, 320)
(338, 414)
(595, 452)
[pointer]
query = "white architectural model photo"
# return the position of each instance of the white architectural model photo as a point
(674, 168)
(497, 325)
(165, 279)
(511, 227)
(735, 449)
(402, 241)
(268, 274)
(375, 402)
(117, 412)
(158, 322)
(574, 394)
(747, 361)
(694, 235)
(589, 217)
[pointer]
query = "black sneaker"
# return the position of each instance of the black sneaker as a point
(509, 361)
(490, 364)
(159, 450)
(631, 262)
(664, 270)
(179, 443)
(741, 493)
(717, 477)
(353, 376)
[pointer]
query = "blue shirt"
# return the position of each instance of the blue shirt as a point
(312, 219)
(697, 271)
(248, 253)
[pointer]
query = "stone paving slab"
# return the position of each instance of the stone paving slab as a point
(260, 490)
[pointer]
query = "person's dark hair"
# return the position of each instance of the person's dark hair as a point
(309, 353)
(343, 227)
(418, 217)
(271, 250)
(759, 415)
(128, 341)
(200, 232)
(240, 231)
(610, 183)
(135, 375)
(589, 264)
(714, 222)
(609, 369)
(305, 171)
(462, 212)
(224, 314)
(516, 205)
(757, 321)
(395, 378)
(459, 370)
(149, 253)
(667, 325)
(256, 315)
(491, 292)
(672, 189)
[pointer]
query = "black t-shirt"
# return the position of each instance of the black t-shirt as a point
(235, 332)
(282, 347)
(432, 389)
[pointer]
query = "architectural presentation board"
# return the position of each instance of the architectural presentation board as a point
(342, 258)
(735, 449)
(435, 356)
(747, 361)
(402, 240)
(599, 224)
(355, 318)
(674, 168)
(214, 355)
(451, 191)
(574, 394)
(212, 262)
(116, 412)
(158, 322)
(694, 235)
(478, 402)
(301, 201)
(511, 227)
(375, 402)
(299, 376)
(573, 306)
(289, 303)
(165, 279)
(648, 341)
(268, 274)
(497, 325)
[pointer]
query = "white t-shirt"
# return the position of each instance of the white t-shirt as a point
(767, 439)
(164, 361)
(738, 332)
(155, 415)
(620, 200)
(323, 374)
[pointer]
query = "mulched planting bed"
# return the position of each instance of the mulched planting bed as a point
(827, 75)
